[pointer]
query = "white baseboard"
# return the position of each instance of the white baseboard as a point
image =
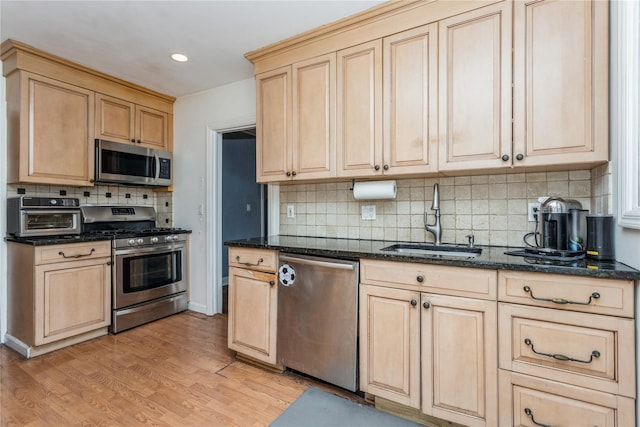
(200, 308)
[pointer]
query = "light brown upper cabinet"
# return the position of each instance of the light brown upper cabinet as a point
(55, 109)
(427, 87)
(475, 89)
(296, 121)
(389, 85)
(50, 131)
(560, 82)
(123, 121)
(359, 110)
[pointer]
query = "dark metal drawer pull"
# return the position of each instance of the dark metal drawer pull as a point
(529, 413)
(76, 256)
(594, 353)
(594, 295)
(248, 264)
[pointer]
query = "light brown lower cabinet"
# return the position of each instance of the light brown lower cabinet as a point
(253, 304)
(529, 401)
(431, 352)
(58, 295)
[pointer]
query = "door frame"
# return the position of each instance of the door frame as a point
(213, 208)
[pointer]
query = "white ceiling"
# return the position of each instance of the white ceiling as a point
(132, 40)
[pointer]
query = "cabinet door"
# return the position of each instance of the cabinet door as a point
(530, 401)
(475, 89)
(253, 299)
(115, 119)
(314, 133)
(560, 82)
(152, 128)
(390, 344)
(71, 298)
(411, 101)
(359, 110)
(459, 359)
(273, 125)
(56, 137)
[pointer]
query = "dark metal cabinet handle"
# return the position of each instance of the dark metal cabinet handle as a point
(426, 304)
(133, 140)
(109, 263)
(385, 167)
(505, 158)
(414, 302)
(562, 357)
(76, 256)
(288, 173)
(519, 156)
(594, 295)
(139, 141)
(377, 167)
(420, 279)
(248, 264)
(294, 173)
(529, 413)
(271, 282)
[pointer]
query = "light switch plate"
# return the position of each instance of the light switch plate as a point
(291, 211)
(368, 212)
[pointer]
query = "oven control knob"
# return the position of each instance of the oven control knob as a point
(131, 242)
(169, 238)
(154, 240)
(140, 241)
(175, 237)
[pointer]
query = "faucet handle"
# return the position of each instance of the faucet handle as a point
(471, 240)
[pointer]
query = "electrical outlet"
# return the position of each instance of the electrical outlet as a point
(534, 209)
(291, 211)
(369, 212)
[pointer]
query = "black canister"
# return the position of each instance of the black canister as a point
(600, 237)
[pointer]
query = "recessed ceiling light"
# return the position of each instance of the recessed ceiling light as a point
(179, 57)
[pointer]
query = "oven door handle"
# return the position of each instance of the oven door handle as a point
(149, 249)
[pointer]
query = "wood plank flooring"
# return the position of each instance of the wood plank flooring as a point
(176, 371)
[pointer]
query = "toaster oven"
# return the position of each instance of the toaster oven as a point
(43, 216)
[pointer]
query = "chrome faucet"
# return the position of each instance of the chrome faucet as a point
(435, 228)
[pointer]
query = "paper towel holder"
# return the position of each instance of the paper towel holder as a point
(353, 183)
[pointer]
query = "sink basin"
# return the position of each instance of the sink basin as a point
(428, 249)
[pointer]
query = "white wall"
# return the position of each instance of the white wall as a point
(195, 118)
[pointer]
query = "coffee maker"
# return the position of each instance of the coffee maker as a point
(563, 225)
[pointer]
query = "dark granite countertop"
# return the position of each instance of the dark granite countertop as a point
(56, 240)
(492, 257)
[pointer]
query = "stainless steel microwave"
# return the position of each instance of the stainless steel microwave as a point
(131, 164)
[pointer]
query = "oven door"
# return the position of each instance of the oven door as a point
(148, 273)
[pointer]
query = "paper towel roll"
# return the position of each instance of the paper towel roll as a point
(374, 190)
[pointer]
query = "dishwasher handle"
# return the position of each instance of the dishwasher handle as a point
(317, 263)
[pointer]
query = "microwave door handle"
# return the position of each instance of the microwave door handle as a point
(157, 177)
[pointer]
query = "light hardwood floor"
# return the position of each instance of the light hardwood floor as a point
(176, 371)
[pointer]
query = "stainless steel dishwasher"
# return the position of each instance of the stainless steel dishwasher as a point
(318, 317)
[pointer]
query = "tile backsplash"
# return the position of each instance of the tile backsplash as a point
(491, 207)
(104, 195)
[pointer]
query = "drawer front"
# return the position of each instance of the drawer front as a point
(582, 349)
(455, 281)
(534, 402)
(576, 293)
(254, 259)
(72, 252)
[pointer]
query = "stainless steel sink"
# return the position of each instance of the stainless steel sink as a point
(438, 250)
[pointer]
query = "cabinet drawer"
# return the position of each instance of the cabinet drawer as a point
(255, 259)
(587, 350)
(591, 295)
(455, 281)
(526, 399)
(72, 252)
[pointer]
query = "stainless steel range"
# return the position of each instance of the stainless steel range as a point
(149, 278)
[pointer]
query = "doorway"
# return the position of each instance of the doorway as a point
(244, 202)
